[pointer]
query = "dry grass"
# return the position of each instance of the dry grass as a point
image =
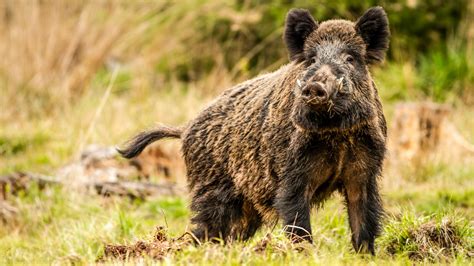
(51, 49)
(57, 57)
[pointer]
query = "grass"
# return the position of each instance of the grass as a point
(57, 226)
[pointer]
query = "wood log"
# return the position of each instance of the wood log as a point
(134, 190)
(22, 181)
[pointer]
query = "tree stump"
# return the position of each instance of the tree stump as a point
(422, 131)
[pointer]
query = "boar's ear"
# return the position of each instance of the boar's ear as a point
(299, 24)
(373, 27)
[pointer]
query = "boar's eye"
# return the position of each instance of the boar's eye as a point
(350, 59)
(313, 60)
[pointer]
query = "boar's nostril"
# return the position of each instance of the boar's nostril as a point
(321, 93)
(306, 92)
(314, 92)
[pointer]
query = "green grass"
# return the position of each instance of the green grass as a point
(57, 226)
(54, 224)
(439, 237)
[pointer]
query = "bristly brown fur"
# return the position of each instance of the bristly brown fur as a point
(143, 139)
(261, 152)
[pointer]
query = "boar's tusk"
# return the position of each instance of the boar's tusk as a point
(340, 83)
(299, 83)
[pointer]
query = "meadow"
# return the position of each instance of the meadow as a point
(75, 73)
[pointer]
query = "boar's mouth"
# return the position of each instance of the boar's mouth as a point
(339, 112)
(324, 97)
(308, 119)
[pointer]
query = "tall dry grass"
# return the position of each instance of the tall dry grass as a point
(55, 79)
(52, 50)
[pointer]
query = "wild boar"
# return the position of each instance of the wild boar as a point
(276, 145)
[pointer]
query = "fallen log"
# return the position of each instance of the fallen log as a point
(134, 190)
(21, 181)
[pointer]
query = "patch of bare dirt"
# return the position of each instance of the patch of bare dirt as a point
(160, 246)
(268, 242)
(273, 245)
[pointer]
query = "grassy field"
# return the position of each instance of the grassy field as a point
(111, 78)
(60, 226)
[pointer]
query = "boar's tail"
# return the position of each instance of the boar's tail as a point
(138, 143)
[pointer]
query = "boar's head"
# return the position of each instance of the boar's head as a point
(334, 90)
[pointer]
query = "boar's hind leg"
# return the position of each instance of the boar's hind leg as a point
(216, 207)
(249, 224)
(294, 209)
(365, 210)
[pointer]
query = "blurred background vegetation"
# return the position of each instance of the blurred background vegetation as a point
(53, 51)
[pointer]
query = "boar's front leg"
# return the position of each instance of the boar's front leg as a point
(365, 210)
(293, 208)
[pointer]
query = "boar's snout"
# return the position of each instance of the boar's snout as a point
(321, 87)
(315, 92)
